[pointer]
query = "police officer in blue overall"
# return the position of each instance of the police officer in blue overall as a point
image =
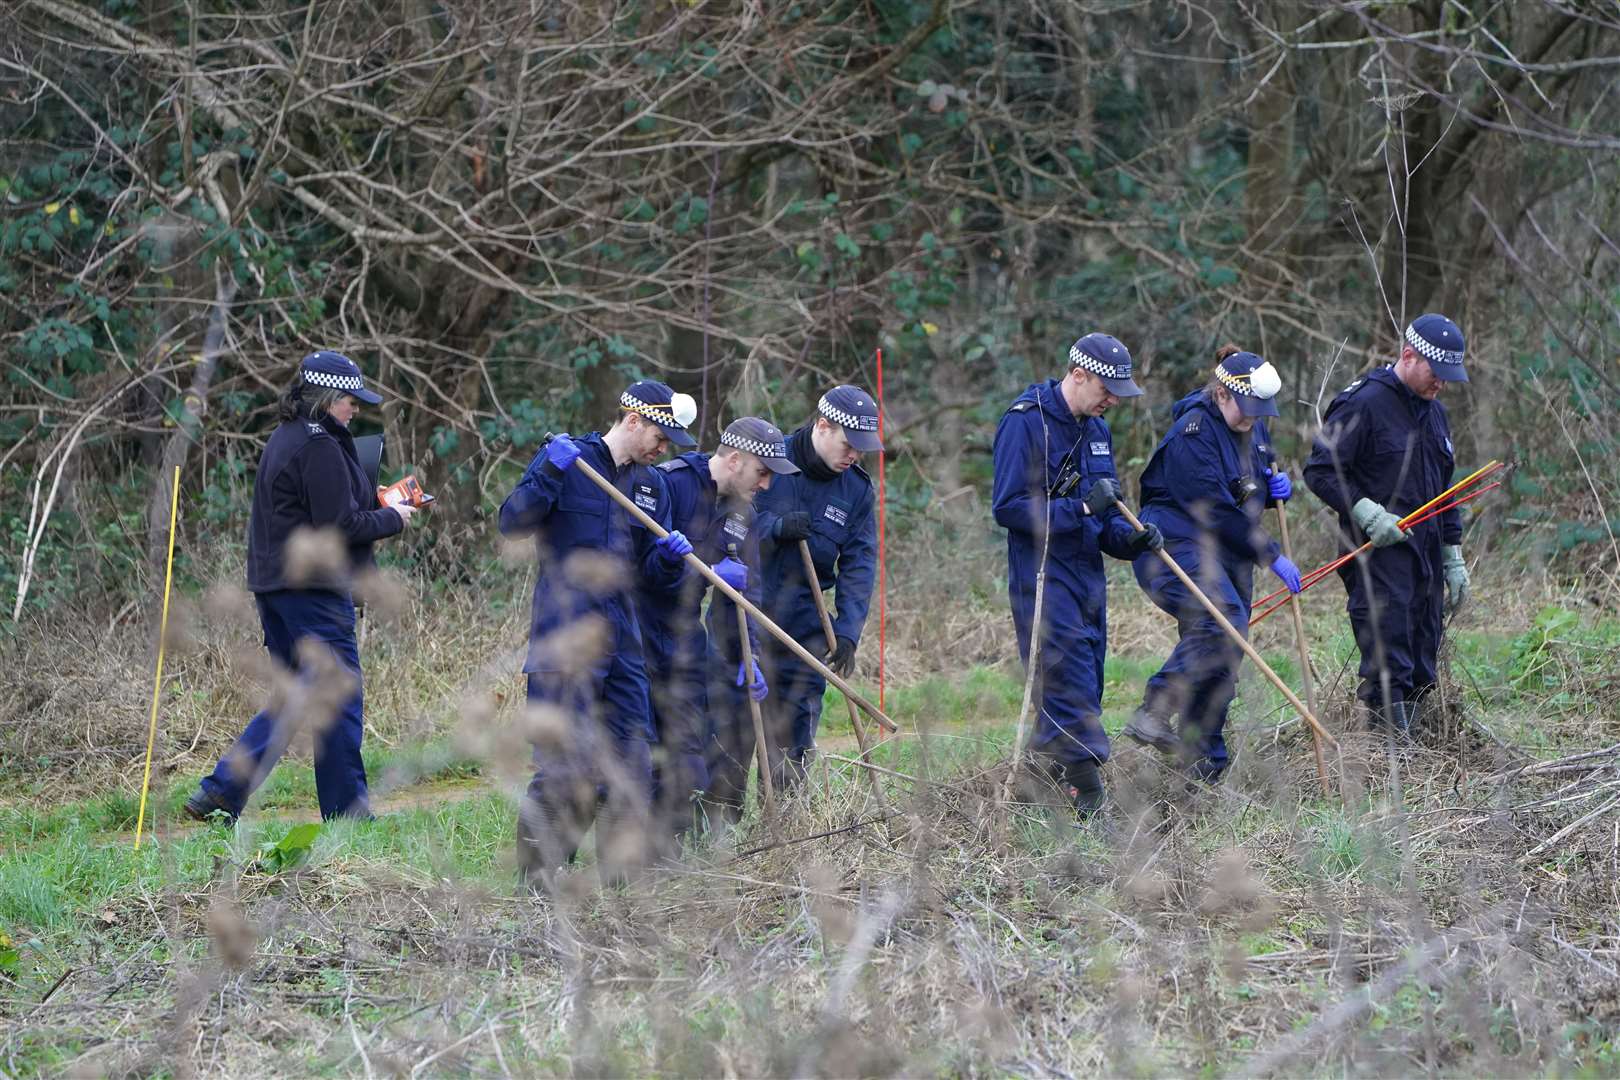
(830, 502)
(1206, 487)
(1055, 486)
(711, 500)
(587, 674)
(1383, 451)
(309, 478)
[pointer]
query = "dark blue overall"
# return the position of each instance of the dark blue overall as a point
(681, 653)
(309, 478)
(587, 675)
(843, 545)
(1039, 442)
(1382, 442)
(1205, 488)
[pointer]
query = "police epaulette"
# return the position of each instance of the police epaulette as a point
(672, 464)
(315, 429)
(860, 470)
(1021, 406)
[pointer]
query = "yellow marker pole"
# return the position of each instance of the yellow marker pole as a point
(163, 638)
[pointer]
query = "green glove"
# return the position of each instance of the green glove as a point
(1456, 575)
(1382, 527)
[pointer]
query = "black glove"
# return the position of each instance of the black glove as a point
(1103, 494)
(841, 658)
(1148, 538)
(791, 526)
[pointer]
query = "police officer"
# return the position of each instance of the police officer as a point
(1055, 486)
(587, 676)
(829, 503)
(711, 499)
(309, 478)
(1383, 451)
(1206, 487)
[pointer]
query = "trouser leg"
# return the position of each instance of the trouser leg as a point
(560, 802)
(680, 765)
(340, 771)
(624, 837)
(1385, 607)
(731, 744)
(326, 697)
(795, 697)
(1069, 661)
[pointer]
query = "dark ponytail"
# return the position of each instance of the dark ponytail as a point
(293, 404)
(291, 399)
(1214, 383)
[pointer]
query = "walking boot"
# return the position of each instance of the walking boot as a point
(1149, 728)
(1395, 720)
(203, 806)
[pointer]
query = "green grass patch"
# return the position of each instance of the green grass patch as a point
(75, 872)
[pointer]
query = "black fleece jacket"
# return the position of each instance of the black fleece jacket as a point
(310, 477)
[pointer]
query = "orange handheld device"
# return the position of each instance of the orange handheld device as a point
(404, 492)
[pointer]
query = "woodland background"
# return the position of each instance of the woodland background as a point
(505, 210)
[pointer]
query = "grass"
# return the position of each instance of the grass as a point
(1186, 933)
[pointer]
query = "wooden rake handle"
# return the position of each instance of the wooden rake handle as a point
(737, 598)
(814, 581)
(1232, 632)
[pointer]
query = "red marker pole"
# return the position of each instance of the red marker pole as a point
(883, 596)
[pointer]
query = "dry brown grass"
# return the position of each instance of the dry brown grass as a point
(1249, 930)
(1453, 909)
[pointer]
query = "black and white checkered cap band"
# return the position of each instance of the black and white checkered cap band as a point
(753, 446)
(849, 420)
(1432, 351)
(333, 382)
(664, 414)
(1079, 358)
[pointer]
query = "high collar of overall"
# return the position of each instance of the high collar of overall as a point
(1390, 377)
(802, 449)
(333, 428)
(1052, 402)
(1205, 400)
(598, 441)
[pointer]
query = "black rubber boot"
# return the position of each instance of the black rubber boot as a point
(1083, 781)
(547, 839)
(1395, 719)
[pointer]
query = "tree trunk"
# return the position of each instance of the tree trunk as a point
(188, 427)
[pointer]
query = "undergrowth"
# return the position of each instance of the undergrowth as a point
(1450, 908)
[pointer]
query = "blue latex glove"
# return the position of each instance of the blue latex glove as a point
(672, 547)
(733, 573)
(1285, 569)
(561, 452)
(756, 689)
(1279, 487)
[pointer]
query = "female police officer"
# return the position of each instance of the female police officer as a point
(1205, 488)
(309, 478)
